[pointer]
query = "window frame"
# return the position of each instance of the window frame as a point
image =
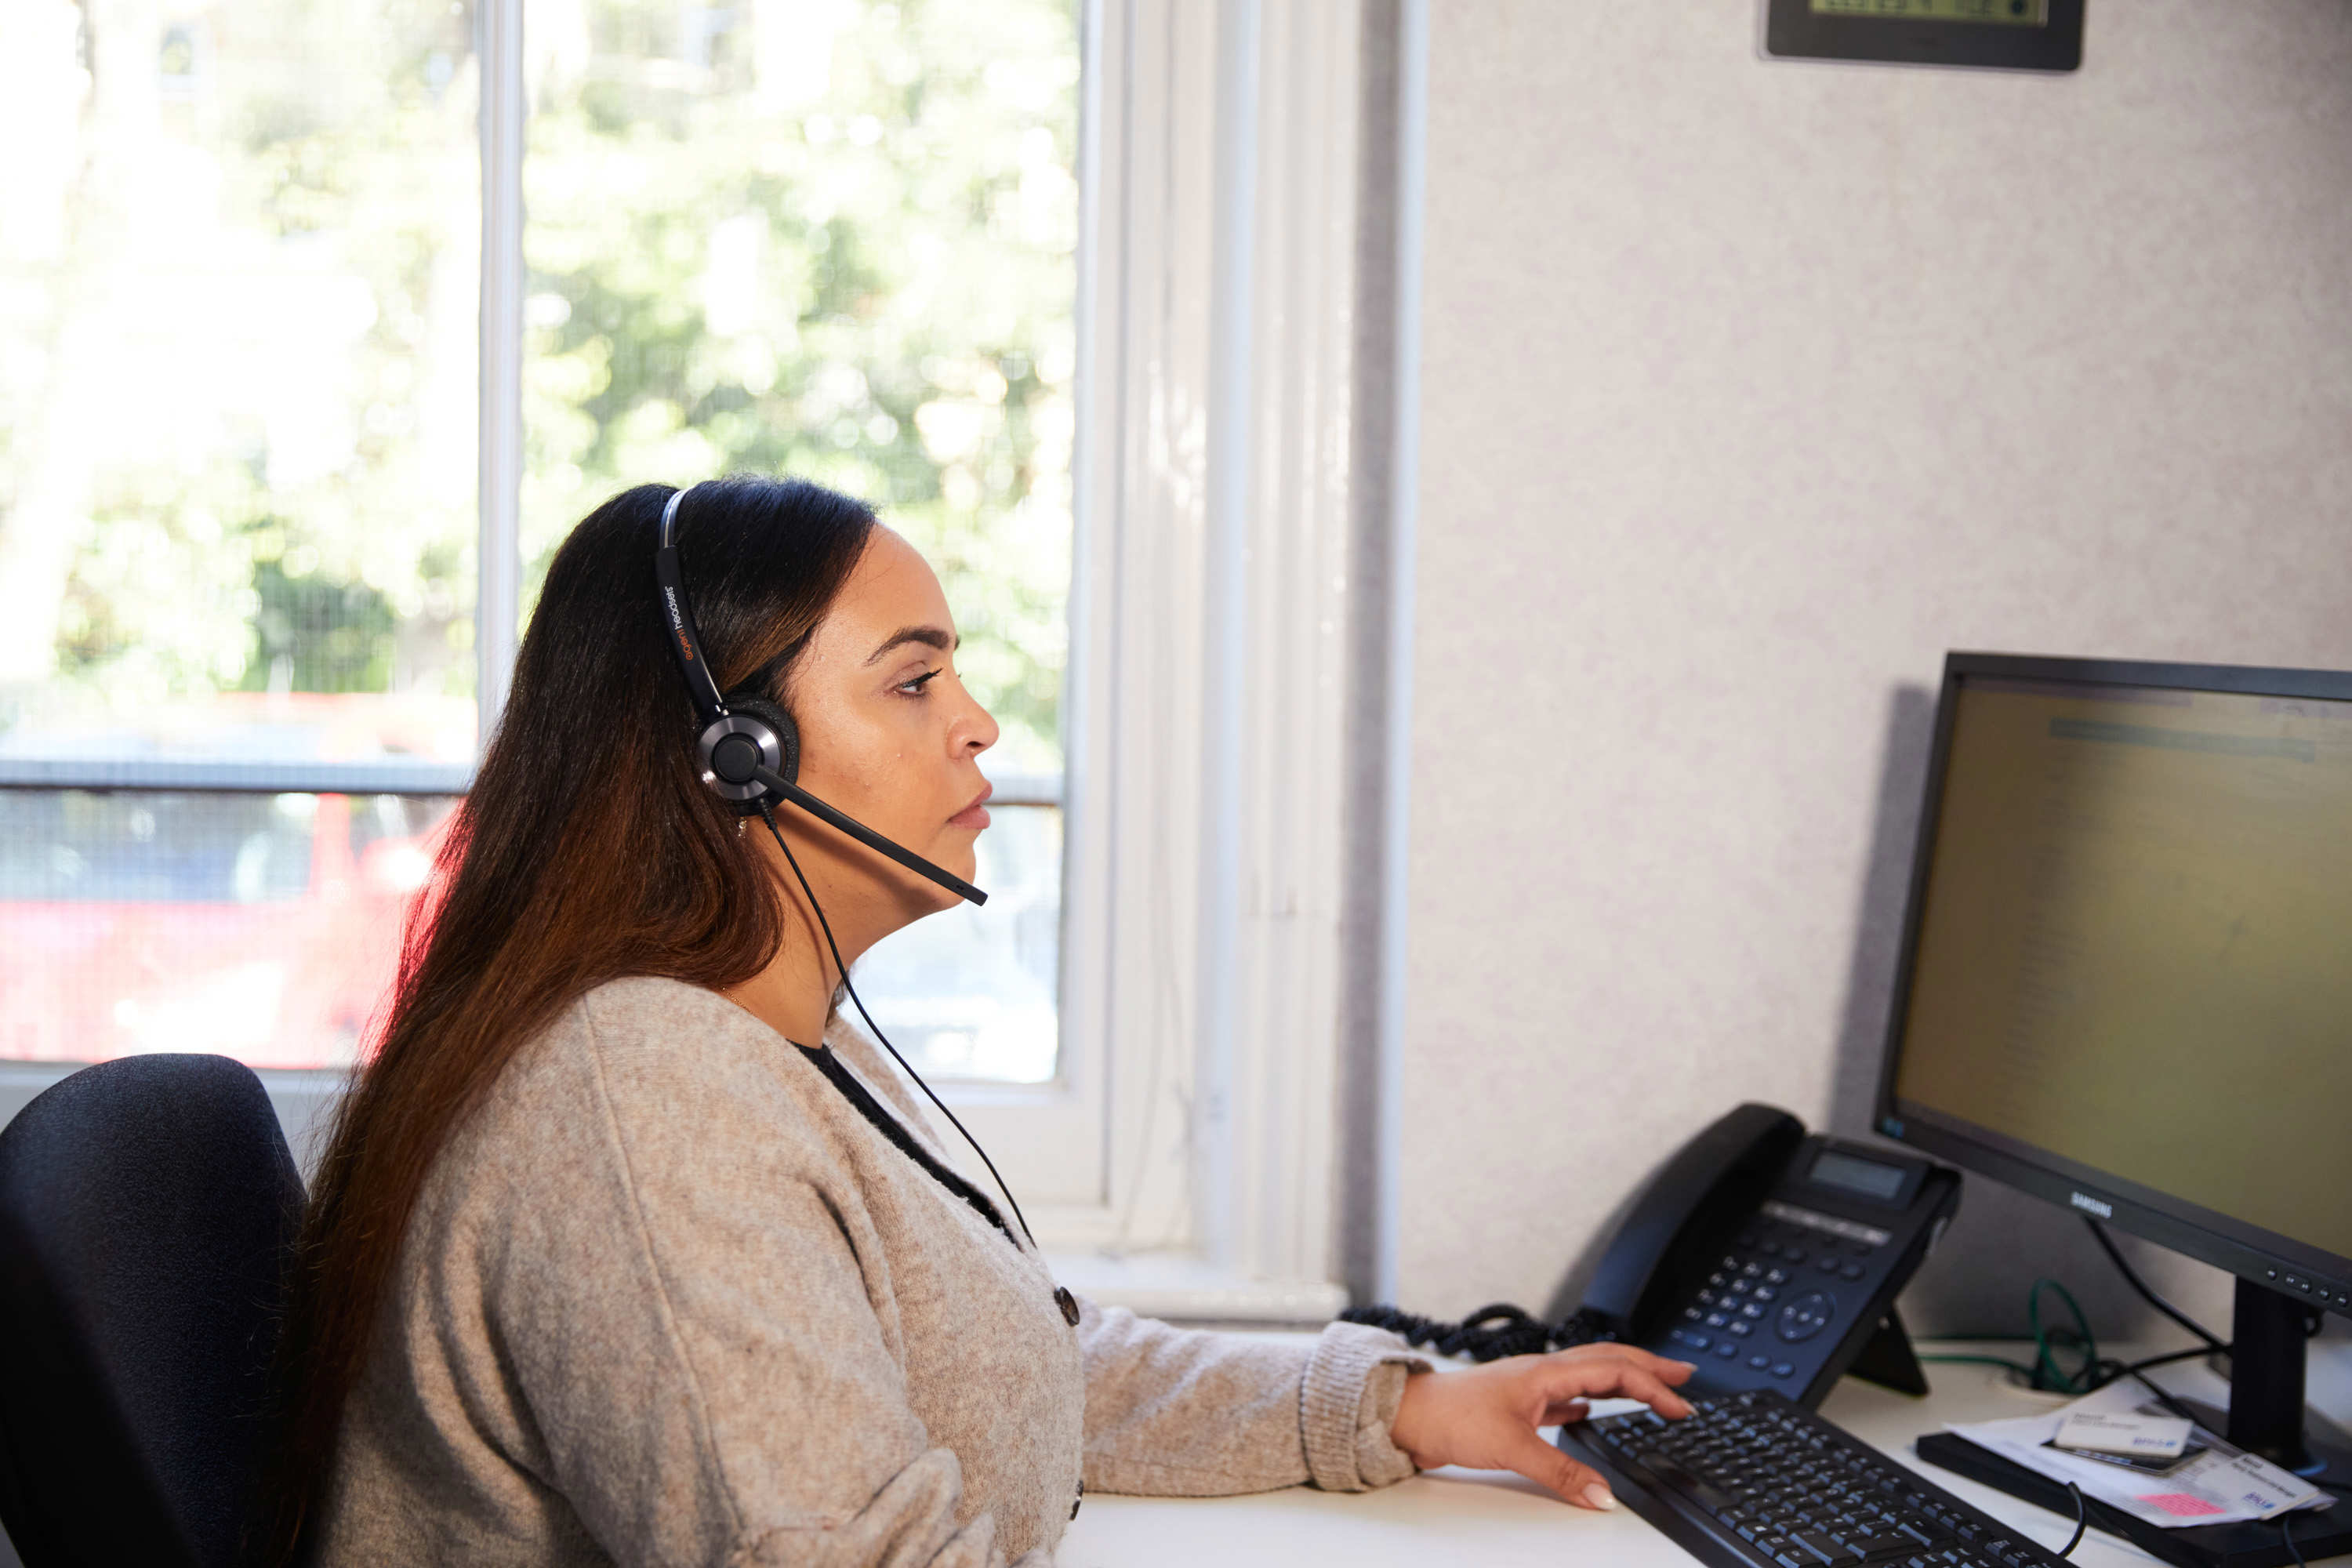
(1204, 879)
(1183, 1159)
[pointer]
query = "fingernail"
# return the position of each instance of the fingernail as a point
(1597, 1496)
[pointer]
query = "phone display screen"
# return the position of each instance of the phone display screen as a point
(1848, 1173)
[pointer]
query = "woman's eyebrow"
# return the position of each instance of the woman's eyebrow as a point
(929, 637)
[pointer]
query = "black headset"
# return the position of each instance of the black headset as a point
(751, 754)
(749, 748)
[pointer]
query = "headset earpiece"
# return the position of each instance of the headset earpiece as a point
(753, 725)
(743, 705)
(754, 734)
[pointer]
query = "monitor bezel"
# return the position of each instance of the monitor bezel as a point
(2247, 1250)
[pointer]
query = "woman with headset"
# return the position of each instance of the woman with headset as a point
(624, 1249)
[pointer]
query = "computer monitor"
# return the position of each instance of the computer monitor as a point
(2126, 982)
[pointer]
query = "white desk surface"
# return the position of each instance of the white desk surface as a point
(1494, 1518)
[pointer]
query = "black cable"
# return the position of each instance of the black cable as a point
(2197, 1354)
(892, 1129)
(2286, 1534)
(768, 816)
(2082, 1520)
(2106, 1244)
(1491, 1333)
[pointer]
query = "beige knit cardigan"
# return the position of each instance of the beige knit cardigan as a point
(667, 1298)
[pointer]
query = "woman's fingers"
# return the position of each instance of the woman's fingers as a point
(1550, 1469)
(1665, 1368)
(1645, 1379)
(1640, 1383)
(1560, 1410)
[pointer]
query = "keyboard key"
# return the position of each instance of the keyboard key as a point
(1827, 1550)
(1687, 1482)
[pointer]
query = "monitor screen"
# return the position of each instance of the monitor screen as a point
(2132, 944)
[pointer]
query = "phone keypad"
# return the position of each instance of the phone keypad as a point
(1777, 1280)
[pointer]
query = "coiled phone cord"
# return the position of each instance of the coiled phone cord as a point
(1491, 1333)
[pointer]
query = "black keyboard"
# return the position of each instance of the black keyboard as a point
(1754, 1478)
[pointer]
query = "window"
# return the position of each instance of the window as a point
(241, 530)
(312, 342)
(237, 463)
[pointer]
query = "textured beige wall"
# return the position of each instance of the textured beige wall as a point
(1749, 387)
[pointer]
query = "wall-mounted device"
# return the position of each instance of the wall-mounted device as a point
(2013, 35)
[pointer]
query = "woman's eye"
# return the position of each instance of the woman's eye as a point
(915, 687)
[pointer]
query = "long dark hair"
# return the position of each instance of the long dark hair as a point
(587, 850)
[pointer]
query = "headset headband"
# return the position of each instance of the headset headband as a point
(684, 641)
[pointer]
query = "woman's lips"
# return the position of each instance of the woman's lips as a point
(975, 816)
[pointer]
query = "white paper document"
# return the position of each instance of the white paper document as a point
(2221, 1486)
(2156, 1438)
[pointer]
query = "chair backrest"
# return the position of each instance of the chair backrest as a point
(147, 1208)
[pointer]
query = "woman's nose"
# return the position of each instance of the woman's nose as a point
(978, 730)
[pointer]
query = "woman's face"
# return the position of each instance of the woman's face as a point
(888, 734)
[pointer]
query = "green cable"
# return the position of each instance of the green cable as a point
(2047, 1372)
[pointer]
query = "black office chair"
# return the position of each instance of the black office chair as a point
(146, 1209)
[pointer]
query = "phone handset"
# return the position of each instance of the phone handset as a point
(1715, 1178)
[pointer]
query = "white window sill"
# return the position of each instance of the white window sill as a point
(1184, 1288)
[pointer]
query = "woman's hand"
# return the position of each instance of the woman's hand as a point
(1486, 1416)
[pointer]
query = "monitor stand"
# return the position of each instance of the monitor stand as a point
(2266, 1413)
(2265, 1416)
